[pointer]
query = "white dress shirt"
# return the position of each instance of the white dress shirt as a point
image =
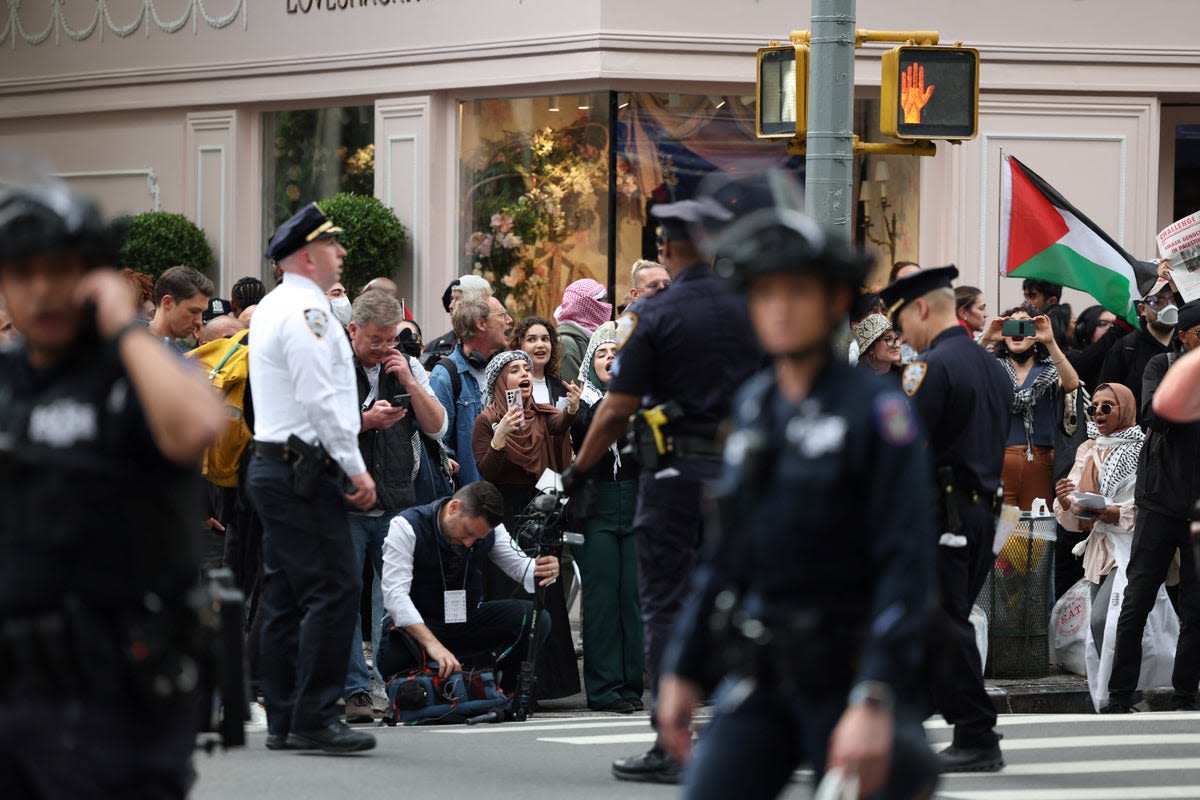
(302, 373)
(398, 549)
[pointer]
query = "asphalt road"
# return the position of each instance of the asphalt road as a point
(561, 756)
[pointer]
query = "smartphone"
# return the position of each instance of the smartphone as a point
(1018, 328)
(402, 400)
(513, 396)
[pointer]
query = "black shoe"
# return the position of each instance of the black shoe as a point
(653, 766)
(278, 741)
(336, 737)
(970, 759)
(1183, 703)
(636, 702)
(1116, 707)
(618, 706)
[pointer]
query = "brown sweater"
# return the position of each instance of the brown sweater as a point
(494, 465)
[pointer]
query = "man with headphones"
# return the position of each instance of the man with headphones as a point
(481, 324)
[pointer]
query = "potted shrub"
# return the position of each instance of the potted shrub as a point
(157, 240)
(374, 238)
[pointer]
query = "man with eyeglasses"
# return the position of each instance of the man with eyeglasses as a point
(648, 278)
(393, 389)
(1126, 362)
(1168, 483)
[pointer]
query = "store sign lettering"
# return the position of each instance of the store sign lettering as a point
(305, 6)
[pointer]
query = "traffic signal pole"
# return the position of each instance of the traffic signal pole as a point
(829, 160)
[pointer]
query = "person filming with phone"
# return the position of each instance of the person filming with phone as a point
(396, 399)
(1041, 377)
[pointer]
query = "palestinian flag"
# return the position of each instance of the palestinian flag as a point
(1042, 236)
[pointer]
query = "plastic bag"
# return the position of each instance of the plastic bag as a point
(1068, 628)
(979, 622)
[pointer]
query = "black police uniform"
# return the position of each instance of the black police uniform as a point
(97, 554)
(962, 397)
(693, 345)
(828, 541)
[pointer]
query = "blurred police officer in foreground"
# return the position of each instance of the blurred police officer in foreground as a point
(307, 422)
(101, 428)
(681, 355)
(810, 612)
(962, 396)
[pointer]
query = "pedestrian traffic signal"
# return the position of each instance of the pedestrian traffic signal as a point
(930, 93)
(782, 92)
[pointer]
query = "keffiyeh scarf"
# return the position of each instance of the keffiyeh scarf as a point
(1025, 398)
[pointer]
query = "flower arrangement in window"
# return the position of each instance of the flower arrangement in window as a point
(531, 192)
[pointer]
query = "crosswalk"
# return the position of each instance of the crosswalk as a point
(1049, 756)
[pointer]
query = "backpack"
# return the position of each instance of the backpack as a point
(226, 364)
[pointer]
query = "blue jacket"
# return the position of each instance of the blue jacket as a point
(460, 413)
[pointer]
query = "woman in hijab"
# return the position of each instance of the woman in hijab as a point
(1106, 466)
(1042, 378)
(613, 661)
(514, 443)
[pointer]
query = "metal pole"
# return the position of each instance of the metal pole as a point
(829, 161)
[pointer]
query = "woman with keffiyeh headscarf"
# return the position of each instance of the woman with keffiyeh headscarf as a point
(513, 446)
(1041, 378)
(1106, 464)
(613, 660)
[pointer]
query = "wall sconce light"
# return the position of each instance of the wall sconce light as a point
(867, 193)
(584, 103)
(553, 103)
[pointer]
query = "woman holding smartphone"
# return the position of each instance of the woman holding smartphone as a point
(1042, 378)
(515, 440)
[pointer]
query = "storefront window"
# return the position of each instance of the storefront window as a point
(313, 154)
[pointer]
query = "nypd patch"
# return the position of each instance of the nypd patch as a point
(913, 376)
(318, 321)
(894, 420)
(625, 326)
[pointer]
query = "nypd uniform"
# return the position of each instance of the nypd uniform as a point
(962, 397)
(302, 375)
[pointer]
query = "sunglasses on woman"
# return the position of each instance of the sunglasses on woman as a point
(1103, 408)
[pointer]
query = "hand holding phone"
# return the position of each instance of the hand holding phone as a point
(1018, 328)
(402, 401)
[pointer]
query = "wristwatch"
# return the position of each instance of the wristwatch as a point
(874, 694)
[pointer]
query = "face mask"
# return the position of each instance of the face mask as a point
(341, 309)
(1021, 358)
(1169, 316)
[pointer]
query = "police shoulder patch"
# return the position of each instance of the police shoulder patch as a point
(625, 325)
(894, 420)
(317, 320)
(912, 377)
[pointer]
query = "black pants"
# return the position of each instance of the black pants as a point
(51, 747)
(497, 629)
(1155, 539)
(960, 696)
(667, 526)
(751, 750)
(310, 592)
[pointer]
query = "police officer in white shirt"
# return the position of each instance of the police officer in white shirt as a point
(307, 420)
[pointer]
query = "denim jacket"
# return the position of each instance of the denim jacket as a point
(460, 414)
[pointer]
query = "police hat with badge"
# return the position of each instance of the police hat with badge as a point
(307, 225)
(753, 225)
(899, 293)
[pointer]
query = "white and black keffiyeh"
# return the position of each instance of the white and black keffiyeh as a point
(1025, 398)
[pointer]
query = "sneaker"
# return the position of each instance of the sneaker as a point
(1183, 703)
(1116, 707)
(653, 766)
(359, 708)
(970, 759)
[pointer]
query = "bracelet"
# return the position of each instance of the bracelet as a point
(133, 324)
(492, 444)
(573, 410)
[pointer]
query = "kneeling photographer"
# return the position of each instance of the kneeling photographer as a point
(433, 562)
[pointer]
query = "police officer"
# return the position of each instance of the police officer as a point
(687, 348)
(810, 611)
(101, 429)
(962, 397)
(307, 421)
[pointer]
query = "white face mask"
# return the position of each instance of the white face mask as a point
(341, 309)
(1169, 316)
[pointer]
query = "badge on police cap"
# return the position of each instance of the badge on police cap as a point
(625, 325)
(912, 377)
(318, 321)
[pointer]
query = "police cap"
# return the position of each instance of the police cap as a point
(307, 225)
(900, 293)
(53, 219)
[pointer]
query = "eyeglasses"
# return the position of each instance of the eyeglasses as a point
(381, 344)
(890, 340)
(657, 286)
(1103, 408)
(1157, 301)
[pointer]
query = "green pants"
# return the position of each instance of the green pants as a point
(612, 636)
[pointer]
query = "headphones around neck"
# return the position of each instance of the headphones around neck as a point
(477, 360)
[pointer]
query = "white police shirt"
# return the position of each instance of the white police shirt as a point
(302, 373)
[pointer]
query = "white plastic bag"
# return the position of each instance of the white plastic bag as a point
(979, 622)
(1068, 628)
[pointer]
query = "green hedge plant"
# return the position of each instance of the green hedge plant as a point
(374, 238)
(157, 240)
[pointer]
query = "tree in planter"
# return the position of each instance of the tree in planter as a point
(158, 240)
(374, 238)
